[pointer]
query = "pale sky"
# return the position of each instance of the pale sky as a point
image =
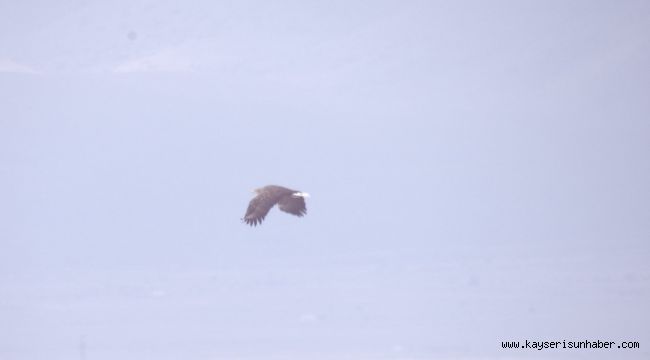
(479, 173)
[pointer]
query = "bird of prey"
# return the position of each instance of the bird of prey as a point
(291, 201)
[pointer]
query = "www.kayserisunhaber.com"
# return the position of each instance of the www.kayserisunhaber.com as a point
(564, 344)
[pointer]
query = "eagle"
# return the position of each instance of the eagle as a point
(291, 201)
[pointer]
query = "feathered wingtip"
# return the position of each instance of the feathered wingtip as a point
(251, 222)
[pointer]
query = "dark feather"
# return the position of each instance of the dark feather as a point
(294, 205)
(267, 197)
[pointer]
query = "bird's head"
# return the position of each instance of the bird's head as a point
(300, 194)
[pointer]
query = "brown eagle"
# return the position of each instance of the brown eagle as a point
(291, 201)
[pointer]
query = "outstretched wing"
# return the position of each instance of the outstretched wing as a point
(294, 205)
(258, 208)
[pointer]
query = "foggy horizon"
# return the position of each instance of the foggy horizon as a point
(478, 174)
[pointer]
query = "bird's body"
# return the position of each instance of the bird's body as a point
(290, 201)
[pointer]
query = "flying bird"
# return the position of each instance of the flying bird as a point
(291, 201)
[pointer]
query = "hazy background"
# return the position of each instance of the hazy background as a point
(479, 173)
